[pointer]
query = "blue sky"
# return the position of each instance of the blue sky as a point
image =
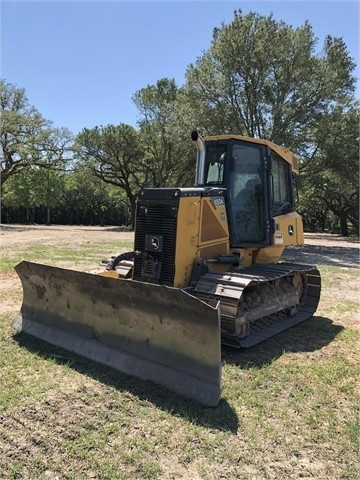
(80, 62)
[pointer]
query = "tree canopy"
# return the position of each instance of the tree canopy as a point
(27, 139)
(114, 154)
(168, 158)
(331, 179)
(265, 79)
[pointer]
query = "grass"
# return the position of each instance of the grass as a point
(289, 407)
(74, 255)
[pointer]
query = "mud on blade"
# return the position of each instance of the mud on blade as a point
(153, 332)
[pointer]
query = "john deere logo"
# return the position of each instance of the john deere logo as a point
(155, 243)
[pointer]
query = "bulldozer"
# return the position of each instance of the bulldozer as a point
(205, 271)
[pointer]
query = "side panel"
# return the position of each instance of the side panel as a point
(290, 226)
(202, 232)
(288, 232)
(187, 239)
(154, 332)
(214, 224)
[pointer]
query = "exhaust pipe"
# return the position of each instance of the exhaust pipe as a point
(200, 162)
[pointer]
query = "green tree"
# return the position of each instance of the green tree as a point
(18, 193)
(26, 137)
(50, 189)
(114, 154)
(168, 159)
(332, 177)
(263, 78)
(33, 188)
(86, 197)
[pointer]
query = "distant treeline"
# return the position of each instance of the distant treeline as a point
(63, 216)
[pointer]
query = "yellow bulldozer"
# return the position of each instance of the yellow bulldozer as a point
(205, 271)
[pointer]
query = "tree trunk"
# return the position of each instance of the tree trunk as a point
(133, 210)
(343, 225)
(101, 217)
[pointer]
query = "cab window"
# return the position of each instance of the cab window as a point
(215, 164)
(281, 186)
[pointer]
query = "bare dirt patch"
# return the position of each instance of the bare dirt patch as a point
(326, 249)
(22, 235)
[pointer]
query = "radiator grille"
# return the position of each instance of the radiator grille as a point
(158, 219)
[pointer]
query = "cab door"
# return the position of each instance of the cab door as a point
(248, 194)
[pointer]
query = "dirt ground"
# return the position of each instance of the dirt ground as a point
(318, 249)
(327, 249)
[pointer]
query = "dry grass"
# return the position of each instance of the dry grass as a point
(289, 408)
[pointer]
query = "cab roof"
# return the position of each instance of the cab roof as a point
(283, 152)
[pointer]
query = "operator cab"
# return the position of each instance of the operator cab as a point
(258, 186)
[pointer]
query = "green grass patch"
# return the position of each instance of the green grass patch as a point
(89, 253)
(289, 407)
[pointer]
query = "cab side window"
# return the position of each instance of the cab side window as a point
(215, 164)
(282, 201)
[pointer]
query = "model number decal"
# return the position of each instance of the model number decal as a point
(218, 201)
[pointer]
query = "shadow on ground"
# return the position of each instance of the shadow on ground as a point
(323, 255)
(308, 336)
(311, 335)
(223, 417)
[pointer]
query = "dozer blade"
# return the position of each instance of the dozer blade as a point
(153, 332)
